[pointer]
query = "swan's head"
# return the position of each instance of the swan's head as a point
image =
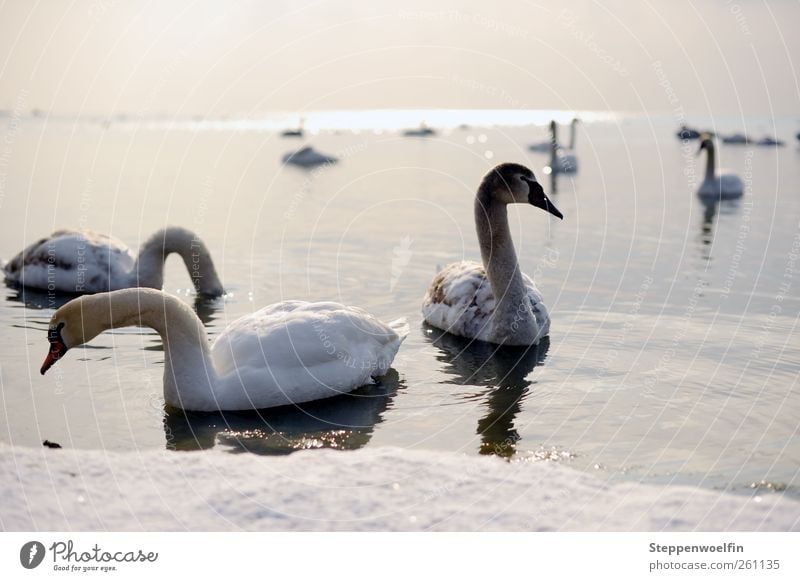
(512, 183)
(69, 327)
(705, 143)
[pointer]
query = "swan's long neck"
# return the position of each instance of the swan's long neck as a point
(189, 374)
(149, 268)
(512, 315)
(710, 162)
(572, 135)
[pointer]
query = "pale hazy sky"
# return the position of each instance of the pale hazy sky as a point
(243, 57)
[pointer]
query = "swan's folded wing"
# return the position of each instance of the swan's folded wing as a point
(71, 261)
(294, 352)
(460, 300)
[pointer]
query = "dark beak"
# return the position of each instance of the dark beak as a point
(537, 197)
(57, 349)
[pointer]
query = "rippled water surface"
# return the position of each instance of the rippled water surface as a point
(673, 355)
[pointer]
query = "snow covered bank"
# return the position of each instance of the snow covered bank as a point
(369, 489)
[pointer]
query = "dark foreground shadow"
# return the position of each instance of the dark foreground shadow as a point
(344, 422)
(503, 371)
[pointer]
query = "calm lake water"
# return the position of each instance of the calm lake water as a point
(674, 352)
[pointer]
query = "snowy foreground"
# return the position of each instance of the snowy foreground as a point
(370, 489)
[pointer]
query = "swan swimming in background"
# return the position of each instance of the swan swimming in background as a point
(717, 186)
(495, 301)
(72, 261)
(287, 353)
(308, 157)
(560, 161)
(545, 146)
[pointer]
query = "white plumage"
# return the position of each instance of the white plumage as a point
(287, 353)
(717, 186)
(722, 186)
(294, 351)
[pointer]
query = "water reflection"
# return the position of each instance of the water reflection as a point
(503, 371)
(35, 298)
(712, 208)
(344, 422)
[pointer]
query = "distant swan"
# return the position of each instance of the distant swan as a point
(493, 302)
(308, 157)
(717, 186)
(560, 160)
(422, 131)
(287, 353)
(545, 146)
(72, 261)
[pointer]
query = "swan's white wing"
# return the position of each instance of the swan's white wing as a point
(542, 147)
(72, 261)
(725, 186)
(731, 185)
(293, 352)
(460, 301)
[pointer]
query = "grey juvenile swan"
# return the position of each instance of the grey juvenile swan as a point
(73, 261)
(493, 301)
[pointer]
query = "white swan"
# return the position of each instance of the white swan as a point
(545, 146)
(493, 302)
(289, 352)
(716, 186)
(308, 157)
(560, 160)
(74, 261)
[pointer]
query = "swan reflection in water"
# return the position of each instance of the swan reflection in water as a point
(344, 422)
(503, 371)
(710, 210)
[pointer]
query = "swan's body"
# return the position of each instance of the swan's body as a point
(686, 133)
(422, 131)
(770, 142)
(736, 139)
(289, 352)
(308, 157)
(71, 261)
(493, 302)
(716, 186)
(467, 304)
(560, 160)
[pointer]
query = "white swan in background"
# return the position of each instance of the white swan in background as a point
(287, 353)
(560, 160)
(422, 131)
(495, 301)
(545, 146)
(75, 261)
(308, 157)
(716, 186)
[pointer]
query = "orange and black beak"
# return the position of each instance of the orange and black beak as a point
(57, 348)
